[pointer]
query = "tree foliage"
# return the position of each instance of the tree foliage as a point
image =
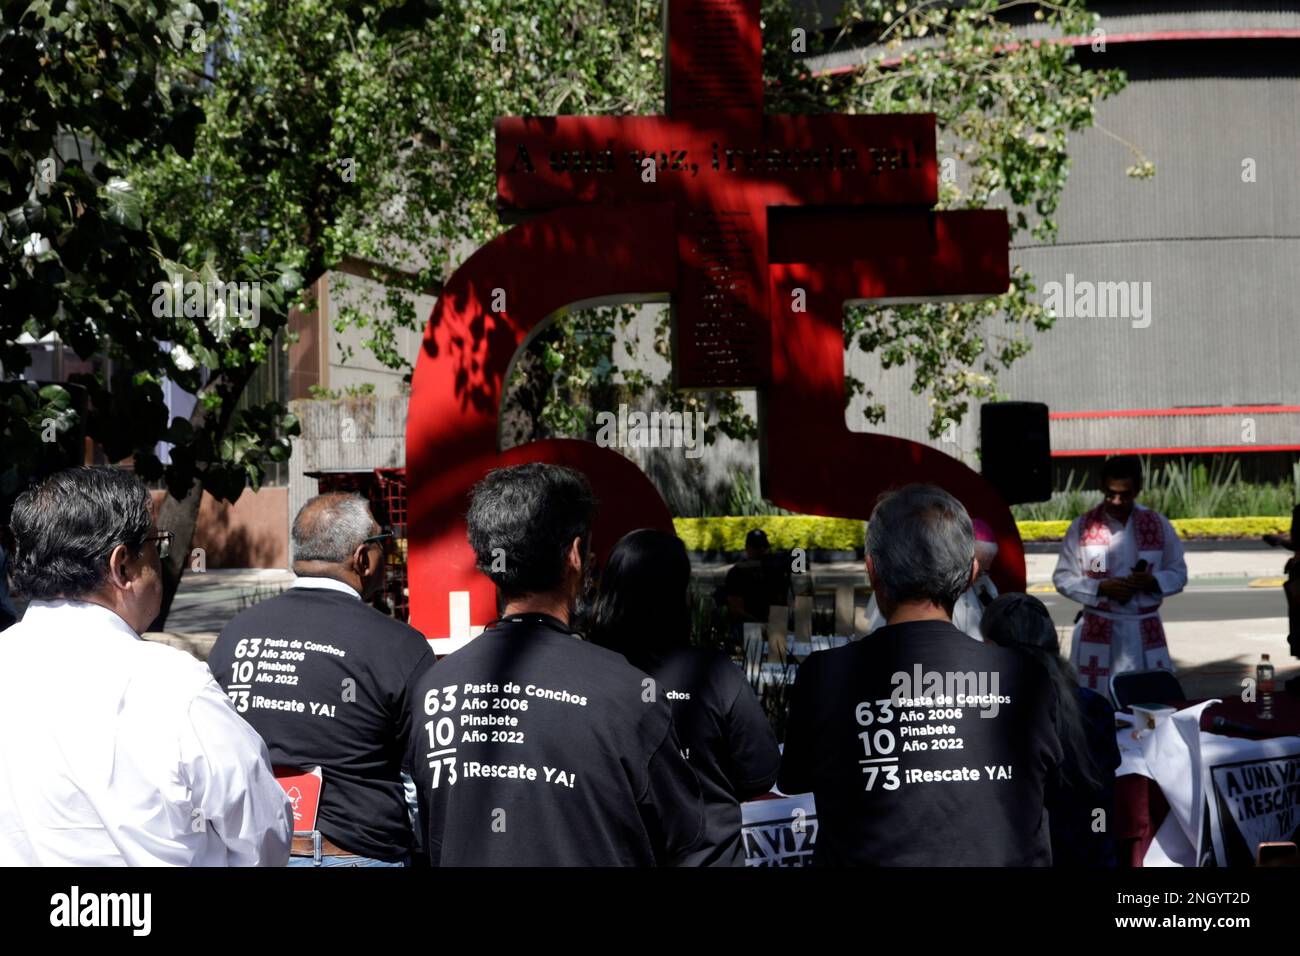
(271, 140)
(93, 93)
(1005, 109)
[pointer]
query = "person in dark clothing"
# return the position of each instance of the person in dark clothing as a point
(328, 681)
(530, 746)
(1082, 805)
(642, 612)
(1291, 588)
(758, 582)
(8, 613)
(921, 746)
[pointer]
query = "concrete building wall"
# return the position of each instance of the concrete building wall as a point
(350, 363)
(1218, 253)
(250, 533)
(345, 435)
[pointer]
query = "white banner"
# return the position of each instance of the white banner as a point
(779, 832)
(1251, 785)
(1252, 801)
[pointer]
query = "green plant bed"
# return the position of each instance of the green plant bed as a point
(846, 534)
(783, 531)
(1188, 528)
(1251, 527)
(1042, 530)
(1179, 488)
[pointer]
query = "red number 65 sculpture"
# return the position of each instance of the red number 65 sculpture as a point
(758, 229)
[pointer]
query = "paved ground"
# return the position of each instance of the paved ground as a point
(1232, 611)
(1203, 567)
(205, 602)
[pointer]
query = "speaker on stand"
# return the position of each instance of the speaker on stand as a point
(1016, 450)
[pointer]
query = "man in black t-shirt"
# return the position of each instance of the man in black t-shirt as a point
(921, 746)
(327, 681)
(529, 746)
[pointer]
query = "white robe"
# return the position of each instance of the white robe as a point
(1113, 637)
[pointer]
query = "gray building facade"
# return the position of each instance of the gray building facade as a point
(1202, 356)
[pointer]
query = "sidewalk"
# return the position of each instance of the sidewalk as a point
(208, 599)
(1256, 568)
(1213, 654)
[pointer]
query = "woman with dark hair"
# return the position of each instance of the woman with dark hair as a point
(642, 612)
(1085, 724)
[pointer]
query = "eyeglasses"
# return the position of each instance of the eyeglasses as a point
(164, 540)
(382, 538)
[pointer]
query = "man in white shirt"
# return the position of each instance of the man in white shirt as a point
(1120, 561)
(113, 750)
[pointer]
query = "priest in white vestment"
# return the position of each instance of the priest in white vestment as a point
(1120, 561)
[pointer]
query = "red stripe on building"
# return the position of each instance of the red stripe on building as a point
(1153, 36)
(1166, 412)
(1188, 450)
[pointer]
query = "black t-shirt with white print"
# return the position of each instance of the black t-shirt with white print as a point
(726, 737)
(531, 747)
(327, 681)
(924, 748)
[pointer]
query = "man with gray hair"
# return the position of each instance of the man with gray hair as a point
(115, 751)
(327, 681)
(921, 746)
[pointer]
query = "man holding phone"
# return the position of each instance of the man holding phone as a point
(1120, 561)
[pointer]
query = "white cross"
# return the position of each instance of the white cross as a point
(462, 631)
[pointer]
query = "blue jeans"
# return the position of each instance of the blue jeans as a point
(344, 861)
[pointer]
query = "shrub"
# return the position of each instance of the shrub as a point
(847, 534)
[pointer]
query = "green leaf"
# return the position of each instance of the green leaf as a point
(122, 204)
(290, 280)
(55, 397)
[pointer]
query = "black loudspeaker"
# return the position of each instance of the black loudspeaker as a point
(1016, 450)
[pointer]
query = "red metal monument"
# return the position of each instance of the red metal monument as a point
(758, 229)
